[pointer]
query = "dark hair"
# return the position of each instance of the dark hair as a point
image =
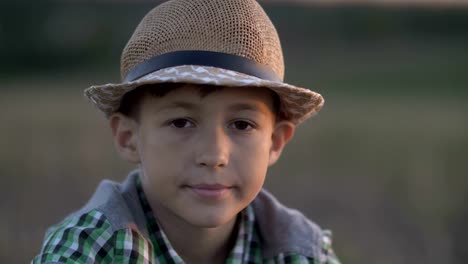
(131, 101)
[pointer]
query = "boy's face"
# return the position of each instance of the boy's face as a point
(203, 158)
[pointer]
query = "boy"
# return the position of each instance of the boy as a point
(203, 111)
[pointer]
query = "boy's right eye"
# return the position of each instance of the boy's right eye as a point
(181, 123)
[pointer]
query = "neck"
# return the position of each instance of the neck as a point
(198, 244)
(202, 245)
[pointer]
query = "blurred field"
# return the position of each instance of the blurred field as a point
(383, 165)
(385, 175)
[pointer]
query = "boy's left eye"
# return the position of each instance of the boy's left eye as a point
(242, 125)
(181, 123)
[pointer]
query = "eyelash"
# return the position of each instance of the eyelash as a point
(250, 125)
(172, 122)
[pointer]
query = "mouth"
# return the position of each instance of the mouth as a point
(211, 191)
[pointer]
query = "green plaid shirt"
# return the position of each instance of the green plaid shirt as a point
(89, 239)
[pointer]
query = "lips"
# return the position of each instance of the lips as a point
(210, 190)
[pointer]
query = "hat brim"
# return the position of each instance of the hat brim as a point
(297, 104)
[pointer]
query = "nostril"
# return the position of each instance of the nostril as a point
(219, 165)
(213, 161)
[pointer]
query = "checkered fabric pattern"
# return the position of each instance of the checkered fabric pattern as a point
(89, 239)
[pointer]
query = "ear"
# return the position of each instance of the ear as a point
(125, 133)
(282, 133)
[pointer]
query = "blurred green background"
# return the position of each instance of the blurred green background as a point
(384, 164)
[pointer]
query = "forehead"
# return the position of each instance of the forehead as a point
(213, 97)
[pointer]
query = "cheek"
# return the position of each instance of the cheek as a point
(256, 148)
(160, 158)
(161, 146)
(251, 158)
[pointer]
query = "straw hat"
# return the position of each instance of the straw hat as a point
(224, 43)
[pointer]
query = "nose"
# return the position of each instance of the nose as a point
(213, 148)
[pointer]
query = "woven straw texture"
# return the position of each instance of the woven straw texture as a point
(237, 27)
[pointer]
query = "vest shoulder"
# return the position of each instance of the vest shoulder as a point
(286, 230)
(117, 202)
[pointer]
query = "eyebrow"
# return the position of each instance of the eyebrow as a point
(178, 104)
(237, 107)
(245, 106)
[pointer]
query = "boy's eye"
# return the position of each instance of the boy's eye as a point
(242, 125)
(181, 123)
